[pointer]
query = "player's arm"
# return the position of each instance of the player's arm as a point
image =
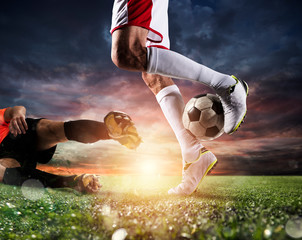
(16, 117)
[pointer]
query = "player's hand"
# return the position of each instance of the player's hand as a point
(121, 128)
(18, 124)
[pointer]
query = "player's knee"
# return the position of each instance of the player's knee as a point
(156, 82)
(2, 171)
(131, 58)
(51, 130)
(52, 133)
(122, 58)
(117, 59)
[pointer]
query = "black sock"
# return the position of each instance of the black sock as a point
(17, 176)
(85, 131)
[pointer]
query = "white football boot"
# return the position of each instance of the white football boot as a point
(233, 101)
(194, 172)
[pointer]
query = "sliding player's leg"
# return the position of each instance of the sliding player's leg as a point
(7, 163)
(197, 161)
(12, 174)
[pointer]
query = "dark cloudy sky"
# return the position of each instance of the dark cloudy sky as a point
(55, 60)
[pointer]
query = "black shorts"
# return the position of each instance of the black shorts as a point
(23, 147)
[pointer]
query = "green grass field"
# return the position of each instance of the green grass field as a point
(225, 207)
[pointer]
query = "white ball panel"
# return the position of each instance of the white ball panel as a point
(190, 104)
(186, 120)
(197, 129)
(208, 118)
(203, 103)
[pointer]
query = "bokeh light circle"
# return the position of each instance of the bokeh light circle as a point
(33, 189)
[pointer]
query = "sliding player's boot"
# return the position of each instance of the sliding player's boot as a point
(194, 173)
(233, 101)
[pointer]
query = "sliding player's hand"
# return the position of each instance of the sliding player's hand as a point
(18, 124)
(121, 128)
(91, 183)
(88, 183)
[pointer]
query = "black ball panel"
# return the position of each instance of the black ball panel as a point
(200, 95)
(212, 131)
(194, 114)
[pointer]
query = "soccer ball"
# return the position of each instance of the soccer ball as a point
(203, 117)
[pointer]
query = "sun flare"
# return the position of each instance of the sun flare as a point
(148, 167)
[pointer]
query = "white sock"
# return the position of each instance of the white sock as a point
(172, 105)
(172, 64)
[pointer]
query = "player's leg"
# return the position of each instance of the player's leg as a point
(197, 161)
(11, 173)
(2, 171)
(50, 133)
(128, 52)
(172, 105)
(17, 176)
(7, 163)
(231, 91)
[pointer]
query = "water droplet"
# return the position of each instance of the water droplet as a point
(267, 233)
(106, 210)
(10, 205)
(119, 234)
(294, 227)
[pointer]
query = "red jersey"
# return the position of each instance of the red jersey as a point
(4, 130)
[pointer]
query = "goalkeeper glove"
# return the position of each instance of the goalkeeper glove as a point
(121, 128)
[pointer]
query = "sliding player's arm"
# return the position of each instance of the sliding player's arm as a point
(16, 117)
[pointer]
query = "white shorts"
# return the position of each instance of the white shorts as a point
(149, 14)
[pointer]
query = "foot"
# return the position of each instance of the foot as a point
(193, 173)
(233, 101)
(121, 128)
